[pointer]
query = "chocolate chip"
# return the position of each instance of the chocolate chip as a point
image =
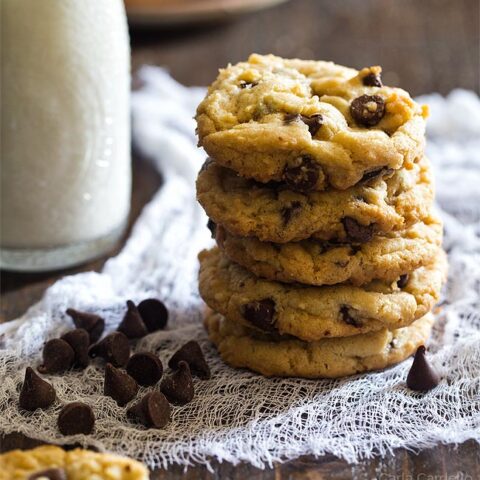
(356, 232)
(372, 80)
(348, 318)
(79, 340)
(132, 324)
(377, 172)
(76, 417)
(288, 212)
(402, 281)
(36, 392)
(212, 226)
(302, 174)
(261, 313)
(119, 385)
(153, 410)
(154, 314)
(291, 118)
(92, 323)
(368, 110)
(314, 122)
(49, 474)
(114, 348)
(58, 356)
(244, 84)
(178, 387)
(146, 368)
(422, 376)
(193, 355)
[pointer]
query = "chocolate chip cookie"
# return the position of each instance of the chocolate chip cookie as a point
(54, 463)
(311, 124)
(316, 262)
(328, 358)
(274, 213)
(312, 313)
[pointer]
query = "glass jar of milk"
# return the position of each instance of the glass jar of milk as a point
(65, 150)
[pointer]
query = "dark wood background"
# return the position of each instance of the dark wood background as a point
(422, 45)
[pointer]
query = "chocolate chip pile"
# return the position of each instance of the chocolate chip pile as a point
(124, 373)
(316, 248)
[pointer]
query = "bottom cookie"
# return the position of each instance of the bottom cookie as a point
(50, 462)
(327, 358)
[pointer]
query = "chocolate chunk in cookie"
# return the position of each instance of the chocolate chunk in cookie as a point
(422, 376)
(75, 418)
(92, 323)
(114, 348)
(302, 173)
(288, 212)
(153, 410)
(372, 80)
(376, 173)
(154, 314)
(356, 232)
(35, 392)
(119, 385)
(368, 110)
(132, 324)
(79, 340)
(178, 387)
(212, 226)
(314, 122)
(193, 355)
(402, 281)
(261, 313)
(49, 474)
(146, 368)
(348, 318)
(58, 356)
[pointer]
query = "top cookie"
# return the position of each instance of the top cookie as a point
(311, 124)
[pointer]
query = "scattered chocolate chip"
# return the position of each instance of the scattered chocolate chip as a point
(146, 368)
(76, 417)
(132, 324)
(422, 376)
(114, 348)
(288, 212)
(348, 318)
(356, 232)
(178, 387)
(314, 122)
(261, 313)
(372, 80)
(36, 392)
(193, 355)
(92, 323)
(377, 172)
(79, 340)
(58, 356)
(212, 226)
(49, 474)
(402, 281)
(244, 84)
(302, 174)
(368, 110)
(119, 385)
(153, 410)
(290, 118)
(154, 314)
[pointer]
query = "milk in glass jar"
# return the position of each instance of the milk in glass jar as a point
(65, 151)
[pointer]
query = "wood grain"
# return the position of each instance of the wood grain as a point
(424, 46)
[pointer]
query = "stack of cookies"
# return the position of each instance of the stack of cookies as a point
(328, 259)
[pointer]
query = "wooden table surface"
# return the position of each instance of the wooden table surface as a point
(423, 46)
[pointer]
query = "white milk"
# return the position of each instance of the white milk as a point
(65, 156)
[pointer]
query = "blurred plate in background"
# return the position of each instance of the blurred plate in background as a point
(181, 12)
